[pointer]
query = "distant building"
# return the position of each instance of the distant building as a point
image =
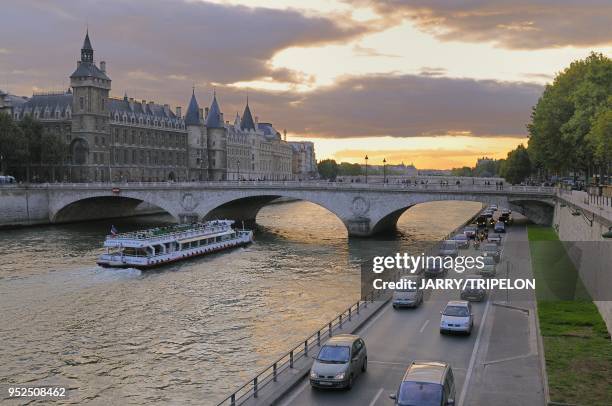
(304, 162)
(402, 170)
(123, 139)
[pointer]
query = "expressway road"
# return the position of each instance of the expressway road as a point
(394, 338)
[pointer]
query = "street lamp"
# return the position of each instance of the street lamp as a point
(366, 159)
(238, 170)
(384, 171)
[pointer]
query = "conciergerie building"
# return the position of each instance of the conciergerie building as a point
(124, 139)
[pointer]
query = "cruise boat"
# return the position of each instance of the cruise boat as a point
(158, 246)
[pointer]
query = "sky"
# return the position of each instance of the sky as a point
(430, 82)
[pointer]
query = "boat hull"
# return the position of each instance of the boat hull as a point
(175, 257)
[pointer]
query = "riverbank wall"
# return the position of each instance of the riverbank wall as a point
(580, 222)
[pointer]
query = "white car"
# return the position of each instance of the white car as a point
(488, 267)
(449, 248)
(494, 237)
(500, 227)
(457, 317)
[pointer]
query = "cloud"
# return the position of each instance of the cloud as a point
(429, 71)
(517, 24)
(359, 50)
(145, 39)
(396, 105)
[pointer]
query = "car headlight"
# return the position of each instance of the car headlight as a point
(340, 375)
(313, 374)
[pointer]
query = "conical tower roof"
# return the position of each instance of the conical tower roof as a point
(247, 122)
(192, 117)
(214, 114)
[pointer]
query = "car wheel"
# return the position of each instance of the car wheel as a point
(364, 367)
(349, 385)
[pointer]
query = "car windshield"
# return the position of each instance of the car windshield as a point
(460, 237)
(419, 394)
(490, 248)
(333, 354)
(448, 246)
(456, 311)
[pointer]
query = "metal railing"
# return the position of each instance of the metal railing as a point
(287, 361)
(295, 185)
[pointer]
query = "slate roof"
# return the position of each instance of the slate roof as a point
(138, 108)
(247, 123)
(268, 130)
(86, 69)
(192, 117)
(213, 120)
(61, 100)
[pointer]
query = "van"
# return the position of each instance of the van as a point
(426, 383)
(409, 297)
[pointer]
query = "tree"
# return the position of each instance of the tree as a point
(349, 169)
(54, 151)
(517, 165)
(12, 147)
(600, 139)
(328, 169)
(32, 135)
(564, 114)
(464, 171)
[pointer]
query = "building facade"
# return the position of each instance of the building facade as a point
(304, 162)
(123, 139)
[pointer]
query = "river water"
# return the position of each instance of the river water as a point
(188, 333)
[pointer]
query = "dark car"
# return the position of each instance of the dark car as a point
(481, 221)
(426, 383)
(472, 291)
(434, 268)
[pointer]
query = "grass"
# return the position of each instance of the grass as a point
(577, 345)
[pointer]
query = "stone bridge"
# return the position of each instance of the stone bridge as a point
(365, 209)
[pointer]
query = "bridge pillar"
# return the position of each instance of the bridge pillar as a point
(358, 227)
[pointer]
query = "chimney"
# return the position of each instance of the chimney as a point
(201, 112)
(206, 113)
(151, 103)
(178, 111)
(131, 100)
(256, 121)
(103, 66)
(221, 117)
(285, 134)
(144, 102)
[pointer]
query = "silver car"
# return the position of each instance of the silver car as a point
(494, 237)
(462, 240)
(339, 362)
(457, 317)
(488, 268)
(491, 250)
(411, 296)
(449, 248)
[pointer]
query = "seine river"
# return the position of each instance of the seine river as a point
(187, 333)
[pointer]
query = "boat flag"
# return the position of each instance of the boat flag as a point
(113, 230)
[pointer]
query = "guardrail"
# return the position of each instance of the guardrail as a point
(286, 362)
(293, 185)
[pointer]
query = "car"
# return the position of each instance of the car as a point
(471, 290)
(426, 383)
(494, 237)
(457, 317)
(449, 248)
(481, 221)
(434, 267)
(506, 218)
(462, 241)
(339, 362)
(506, 211)
(488, 268)
(488, 213)
(500, 227)
(491, 250)
(470, 231)
(409, 297)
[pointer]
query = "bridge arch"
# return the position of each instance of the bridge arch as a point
(87, 206)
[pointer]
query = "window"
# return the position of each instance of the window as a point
(81, 103)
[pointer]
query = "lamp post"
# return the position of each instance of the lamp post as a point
(366, 159)
(384, 171)
(238, 170)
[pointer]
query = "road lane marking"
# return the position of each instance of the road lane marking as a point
(298, 392)
(373, 402)
(369, 323)
(424, 325)
(473, 357)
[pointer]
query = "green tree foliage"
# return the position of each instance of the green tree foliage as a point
(517, 166)
(600, 138)
(328, 169)
(348, 169)
(12, 147)
(464, 171)
(565, 113)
